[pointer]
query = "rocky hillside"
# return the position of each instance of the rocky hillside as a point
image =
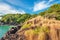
(38, 28)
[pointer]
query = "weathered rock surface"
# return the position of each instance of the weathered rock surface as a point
(10, 35)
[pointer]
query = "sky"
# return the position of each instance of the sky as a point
(25, 6)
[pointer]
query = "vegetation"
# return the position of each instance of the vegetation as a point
(15, 18)
(36, 29)
(26, 26)
(52, 12)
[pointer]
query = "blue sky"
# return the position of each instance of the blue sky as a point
(25, 6)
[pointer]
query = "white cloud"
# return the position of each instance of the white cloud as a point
(5, 9)
(51, 0)
(41, 5)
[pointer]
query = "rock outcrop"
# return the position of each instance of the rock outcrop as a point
(38, 28)
(10, 35)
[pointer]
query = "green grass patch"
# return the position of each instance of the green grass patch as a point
(41, 29)
(26, 26)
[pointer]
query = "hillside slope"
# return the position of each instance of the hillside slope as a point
(38, 28)
(52, 12)
(41, 29)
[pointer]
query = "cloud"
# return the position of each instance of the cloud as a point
(5, 9)
(20, 3)
(42, 5)
(51, 0)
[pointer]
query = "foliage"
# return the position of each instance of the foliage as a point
(41, 29)
(15, 18)
(26, 26)
(52, 12)
(42, 13)
(55, 7)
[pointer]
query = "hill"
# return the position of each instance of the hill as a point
(52, 13)
(38, 28)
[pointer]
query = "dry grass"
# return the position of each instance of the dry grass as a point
(42, 29)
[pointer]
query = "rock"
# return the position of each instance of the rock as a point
(10, 35)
